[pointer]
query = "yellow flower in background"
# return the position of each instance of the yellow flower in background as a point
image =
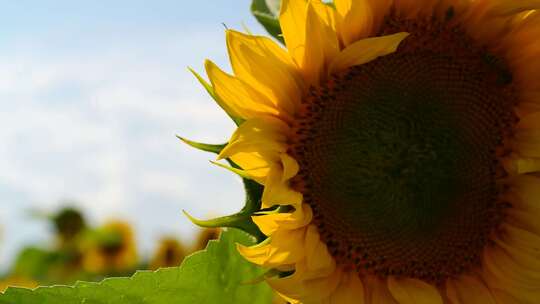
(17, 281)
(111, 250)
(404, 137)
(170, 252)
(205, 236)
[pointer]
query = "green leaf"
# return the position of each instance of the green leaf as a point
(216, 275)
(266, 12)
(33, 262)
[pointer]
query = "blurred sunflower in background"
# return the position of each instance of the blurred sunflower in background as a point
(204, 236)
(69, 224)
(398, 143)
(170, 252)
(17, 281)
(111, 249)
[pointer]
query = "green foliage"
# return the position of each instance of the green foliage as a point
(266, 12)
(216, 275)
(242, 219)
(33, 262)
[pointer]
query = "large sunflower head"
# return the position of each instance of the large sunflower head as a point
(398, 143)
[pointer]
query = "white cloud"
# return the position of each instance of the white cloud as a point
(98, 127)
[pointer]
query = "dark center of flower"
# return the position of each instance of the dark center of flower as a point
(400, 157)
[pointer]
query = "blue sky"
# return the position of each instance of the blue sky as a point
(92, 94)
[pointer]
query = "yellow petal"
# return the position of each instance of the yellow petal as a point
(278, 192)
(256, 146)
(468, 290)
(284, 247)
(327, 13)
(267, 67)
(313, 64)
(527, 136)
(511, 291)
(501, 297)
(377, 291)
(258, 134)
(520, 256)
(270, 223)
(525, 220)
(349, 290)
(240, 99)
(254, 164)
(327, 19)
(260, 145)
(521, 239)
(509, 271)
(304, 290)
(293, 19)
(319, 262)
(290, 167)
(308, 30)
(413, 291)
(504, 7)
(529, 149)
(515, 164)
(527, 192)
(526, 107)
(358, 19)
(501, 272)
(366, 50)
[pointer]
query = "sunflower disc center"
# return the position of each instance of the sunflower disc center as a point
(398, 161)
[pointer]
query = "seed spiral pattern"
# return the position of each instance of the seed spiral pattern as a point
(400, 157)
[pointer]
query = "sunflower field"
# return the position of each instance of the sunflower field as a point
(389, 152)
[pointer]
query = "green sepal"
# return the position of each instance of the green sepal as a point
(275, 210)
(270, 273)
(268, 19)
(240, 220)
(254, 193)
(208, 87)
(202, 146)
(234, 170)
(331, 4)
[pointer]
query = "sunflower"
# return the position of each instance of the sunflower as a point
(69, 223)
(17, 281)
(169, 253)
(112, 249)
(398, 143)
